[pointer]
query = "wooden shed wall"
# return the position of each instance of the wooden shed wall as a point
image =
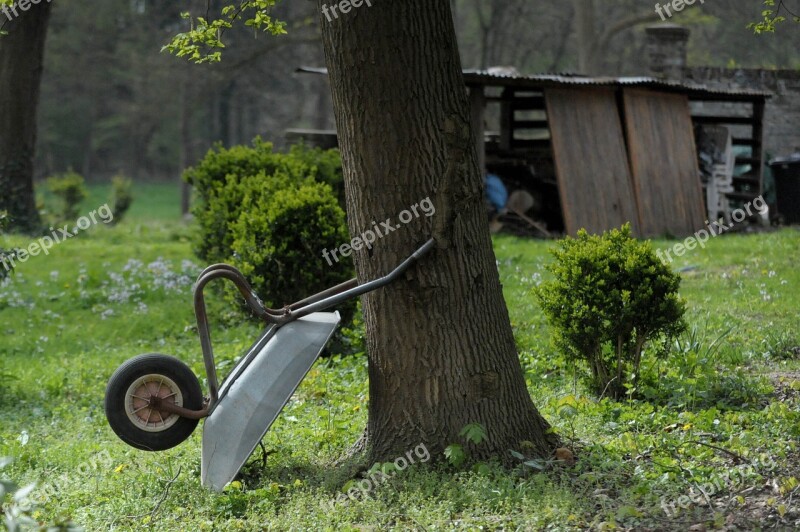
(592, 166)
(663, 162)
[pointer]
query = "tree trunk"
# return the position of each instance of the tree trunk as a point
(588, 55)
(441, 350)
(186, 144)
(21, 65)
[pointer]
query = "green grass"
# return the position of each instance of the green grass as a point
(70, 318)
(152, 201)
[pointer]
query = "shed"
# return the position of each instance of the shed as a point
(597, 152)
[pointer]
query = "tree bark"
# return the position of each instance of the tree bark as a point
(593, 45)
(441, 350)
(588, 55)
(21, 65)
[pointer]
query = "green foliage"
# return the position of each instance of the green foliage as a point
(609, 298)
(272, 215)
(693, 375)
(782, 345)
(474, 433)
(6, 266)
(121, 197)
(17, 509)
(203, 42)
(226, 175)
(772, 17)
(455, 454)
(71, 191)
(629, 454)
(280, 236)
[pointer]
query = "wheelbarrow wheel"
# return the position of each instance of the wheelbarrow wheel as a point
(127, 401)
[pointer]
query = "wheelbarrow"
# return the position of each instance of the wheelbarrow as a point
(154, 402)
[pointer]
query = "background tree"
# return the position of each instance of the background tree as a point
(110, 103)
(21, 55)
(594, 31)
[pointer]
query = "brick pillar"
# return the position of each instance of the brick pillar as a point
(666, 48)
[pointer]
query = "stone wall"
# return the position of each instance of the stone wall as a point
(667, 44)
(782, 115)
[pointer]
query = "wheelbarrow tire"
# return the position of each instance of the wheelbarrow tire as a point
(126, 405)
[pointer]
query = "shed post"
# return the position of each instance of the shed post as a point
(477, 100)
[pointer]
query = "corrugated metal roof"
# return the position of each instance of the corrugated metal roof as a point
(508, 77)
(489, 77)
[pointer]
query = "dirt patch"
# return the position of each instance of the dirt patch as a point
(786, 384)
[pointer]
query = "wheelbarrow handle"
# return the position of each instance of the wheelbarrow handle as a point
(358, 290)
(226, 271)
(321, 301)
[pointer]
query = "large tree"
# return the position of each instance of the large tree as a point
(593, 40)
(441, 349)
(21, 60)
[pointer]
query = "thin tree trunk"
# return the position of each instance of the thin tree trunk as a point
(586, 37)
(185, 144)
(21, 65)
(441, 349)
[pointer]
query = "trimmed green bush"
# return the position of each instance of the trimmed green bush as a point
(271, 215)
(121, 197)
(217, 180)
(280, 236)
(71, 190)
(610, 297)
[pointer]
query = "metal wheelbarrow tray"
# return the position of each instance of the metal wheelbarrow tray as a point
(154, 402)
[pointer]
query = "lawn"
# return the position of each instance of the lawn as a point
(711, 437)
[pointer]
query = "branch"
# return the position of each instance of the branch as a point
(732, 454)
(624, 24)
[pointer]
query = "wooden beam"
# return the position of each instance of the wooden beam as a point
(477, 99)
(742, 120)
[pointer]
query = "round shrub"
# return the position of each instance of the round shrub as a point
(217, 181)
(121, 197)
(6, 256)
(280, 236)
(71, 190)
(610, 297)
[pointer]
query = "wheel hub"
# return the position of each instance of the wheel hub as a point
(143, 400)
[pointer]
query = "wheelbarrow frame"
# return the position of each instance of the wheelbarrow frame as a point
(275, 318)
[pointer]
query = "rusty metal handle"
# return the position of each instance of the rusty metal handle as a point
(321, 301)
(224, 271)
(319, 304)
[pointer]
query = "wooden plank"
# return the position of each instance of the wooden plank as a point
(664, 162)
(529, 124)
(740, 141)
(733, 120)
(520, 103)
(594, 180)
(506, 117)
(477, 99)
(747, 180)
(758, 137)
